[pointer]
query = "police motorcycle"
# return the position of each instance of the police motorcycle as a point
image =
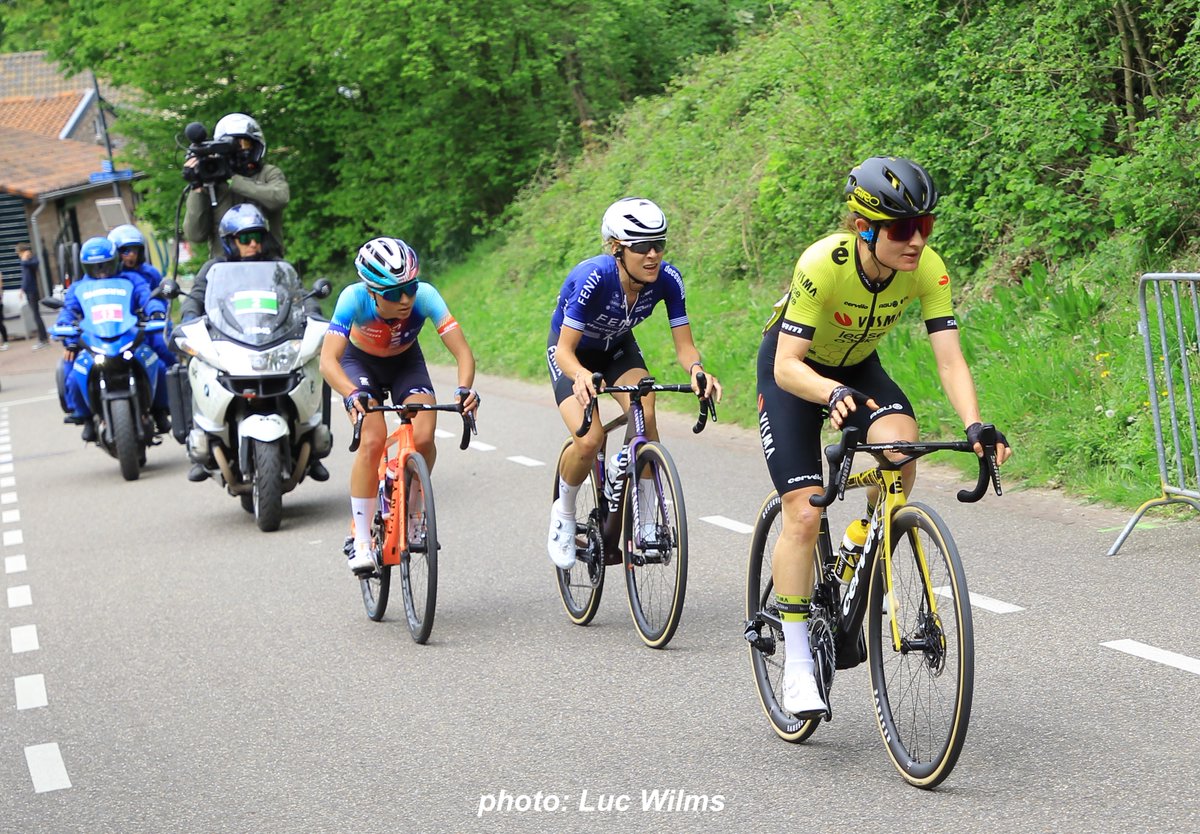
(115, 368)
(248, 405)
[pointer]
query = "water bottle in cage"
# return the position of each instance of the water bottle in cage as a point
(851, 550)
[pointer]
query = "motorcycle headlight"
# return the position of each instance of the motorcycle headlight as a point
(280, 359)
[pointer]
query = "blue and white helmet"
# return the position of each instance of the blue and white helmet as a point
(386, 262)
(98, 257)
(244, 217)
(127, 235)
(631, 219)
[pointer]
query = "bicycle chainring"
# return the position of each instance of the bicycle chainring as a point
(820, 637)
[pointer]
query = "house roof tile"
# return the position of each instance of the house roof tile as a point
(31, 165)
(45, 115)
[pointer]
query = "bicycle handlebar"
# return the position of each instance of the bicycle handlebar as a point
(406, 410)
(841, 457)
(645, 385)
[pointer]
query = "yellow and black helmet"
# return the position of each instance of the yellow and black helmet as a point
(889, 188)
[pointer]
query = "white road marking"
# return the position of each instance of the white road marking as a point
(8, 498)
(24, 639)
(6, 458)
(46, 768)
(29, 400)
(6, 468)
(980, 601)
(5, 446)
(524, 461)
(19, 596)
(728, 523)
(1133, 647)
(12, 537)
(15, 564)
(31, 691)
(442, 433)
(10, 516)
(5, 483)
(480, 446)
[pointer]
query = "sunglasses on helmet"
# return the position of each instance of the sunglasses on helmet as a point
(902, 230)
(641, 247)
(246, 238)
(395, 293)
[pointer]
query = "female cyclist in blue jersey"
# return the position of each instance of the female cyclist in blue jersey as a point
(371, 346)
(818, 357)
(599, 304)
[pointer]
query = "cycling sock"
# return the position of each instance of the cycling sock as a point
(363, 510)
(566, 494)
(793, 611)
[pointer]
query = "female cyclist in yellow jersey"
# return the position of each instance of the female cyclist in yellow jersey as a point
(818, 356)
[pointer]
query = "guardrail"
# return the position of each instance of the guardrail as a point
(1174, 335)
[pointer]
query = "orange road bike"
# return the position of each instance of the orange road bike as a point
(404, 530)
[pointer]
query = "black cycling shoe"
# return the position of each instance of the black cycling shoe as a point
(75, 419)
(197, 473)
(162, 421)
(89, 432)
(317, 471)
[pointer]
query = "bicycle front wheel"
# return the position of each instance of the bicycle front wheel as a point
(921, 647)
(766, 649)
(655, 546)
(581, 585)
(418, 561)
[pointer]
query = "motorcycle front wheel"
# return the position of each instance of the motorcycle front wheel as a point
(124, 431)
(268, 484)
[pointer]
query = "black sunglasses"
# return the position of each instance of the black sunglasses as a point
(641, 247)
(395, 293)
(246, 238)
(903, 230)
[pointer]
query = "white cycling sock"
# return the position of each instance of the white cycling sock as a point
(795, 642)
(566, 495)
(363, 511)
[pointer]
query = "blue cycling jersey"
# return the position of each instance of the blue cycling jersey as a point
(592, 300)
(356, 317)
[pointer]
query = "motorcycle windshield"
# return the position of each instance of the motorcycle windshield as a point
(256, 303)
(107, 306)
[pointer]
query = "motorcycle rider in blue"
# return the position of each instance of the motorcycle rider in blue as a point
(98, 256)
(131, 248)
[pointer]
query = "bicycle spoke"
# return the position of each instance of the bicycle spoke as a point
(656, 547)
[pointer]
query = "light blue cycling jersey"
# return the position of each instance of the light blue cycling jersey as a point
(356, 317)
(592, 300)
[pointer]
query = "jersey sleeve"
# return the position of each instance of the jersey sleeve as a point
(674, 296)
(933, 288)
(430, 305)
(806, 298)
(586, 301)
(344, 311)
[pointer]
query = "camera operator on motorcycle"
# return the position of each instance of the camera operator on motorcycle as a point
(244, 236)
(238, 175)
(99, 259)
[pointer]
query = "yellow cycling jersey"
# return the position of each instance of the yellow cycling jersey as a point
(832, 303)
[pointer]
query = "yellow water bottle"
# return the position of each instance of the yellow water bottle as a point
(851, 550)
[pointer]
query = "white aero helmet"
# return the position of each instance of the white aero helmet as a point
(632, 219)
(386, 262)
(239, 124)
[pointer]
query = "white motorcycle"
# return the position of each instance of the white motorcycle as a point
(252, 395)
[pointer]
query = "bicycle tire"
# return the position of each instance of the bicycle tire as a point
(418, 561)
(376, 585)
(767, 662)
(582, 585)
(656, 573)
(933, 612)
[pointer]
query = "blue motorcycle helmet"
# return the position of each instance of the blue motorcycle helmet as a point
(244, 217)
(127, 235)
(98, 257)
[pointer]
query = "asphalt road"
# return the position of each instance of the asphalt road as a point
(173, 669)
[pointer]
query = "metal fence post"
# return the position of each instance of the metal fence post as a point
(1178, 342)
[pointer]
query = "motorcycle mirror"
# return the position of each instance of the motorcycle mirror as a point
(322, 288)
(169, 288)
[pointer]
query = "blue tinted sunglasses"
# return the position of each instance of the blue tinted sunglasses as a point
(395, 293)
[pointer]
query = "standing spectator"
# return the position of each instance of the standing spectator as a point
(3, 329)
(29, 286)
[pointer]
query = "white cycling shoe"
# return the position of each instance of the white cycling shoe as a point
(362, 559)
(560, 543)
(801, 697)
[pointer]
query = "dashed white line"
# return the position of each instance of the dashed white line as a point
(728, 523)
(6, 468)
(10, 516)
(6, 458)
(31, 691)
(46, 768)
(1133, 647)
(7, 482)
(980, 601)
(19, 596)
(8, 498)
(15, 564)
(24, 639)
(524, 461)
(12, 537)
(442, 433)
(480, 446)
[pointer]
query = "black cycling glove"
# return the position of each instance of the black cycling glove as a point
(975, 430)
(843, 392)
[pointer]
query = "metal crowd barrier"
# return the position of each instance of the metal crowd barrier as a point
(1174, 338)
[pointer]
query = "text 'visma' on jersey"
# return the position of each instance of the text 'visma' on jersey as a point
(832, 303)
(592, 300)
(356, 317)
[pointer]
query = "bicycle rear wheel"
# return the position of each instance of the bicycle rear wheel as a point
(656, 555)
(766, 652)
(921, 648)
(582, 585)
(418, 559)
(376, 584)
